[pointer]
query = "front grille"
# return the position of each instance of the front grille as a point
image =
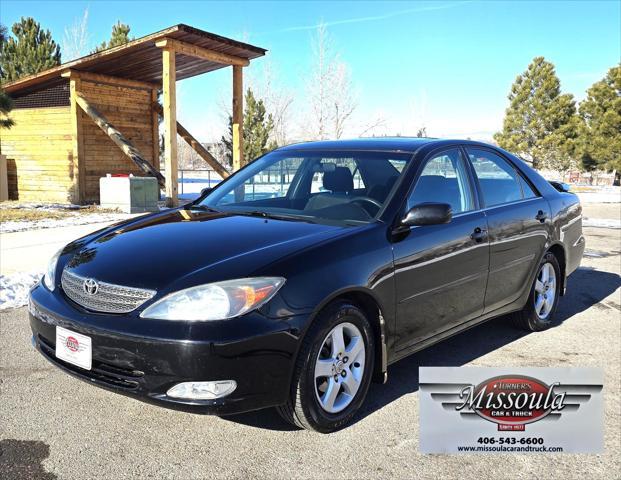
(108, 298)
(100, 372)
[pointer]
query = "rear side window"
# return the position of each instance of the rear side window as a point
(526, 188)
(499, 181)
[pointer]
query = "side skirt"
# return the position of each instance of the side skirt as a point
(417, 347)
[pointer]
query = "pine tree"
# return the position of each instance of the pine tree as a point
(257, 129)
(600, 138)
(540, 123)
(3, 39)
(30, 51)
(6, 104)
(119, 36)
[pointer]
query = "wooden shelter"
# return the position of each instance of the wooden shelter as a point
(99, 114)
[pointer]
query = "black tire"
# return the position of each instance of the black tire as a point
(527, 318)
(303, 409)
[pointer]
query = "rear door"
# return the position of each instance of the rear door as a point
(517, 219)
(441, 270)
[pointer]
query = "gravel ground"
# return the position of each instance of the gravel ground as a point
(53, 426)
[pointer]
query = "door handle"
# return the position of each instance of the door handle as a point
(541, 216)
(479, 234)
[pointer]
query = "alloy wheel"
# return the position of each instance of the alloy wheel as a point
(545, 291)
(339, 367)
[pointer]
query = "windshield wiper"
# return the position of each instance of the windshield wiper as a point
(202, 208)
(275, 216)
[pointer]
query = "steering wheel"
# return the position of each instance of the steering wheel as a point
(362, 201)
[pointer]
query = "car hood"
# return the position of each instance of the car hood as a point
(181, 247)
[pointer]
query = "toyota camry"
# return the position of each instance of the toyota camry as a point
(298, 280)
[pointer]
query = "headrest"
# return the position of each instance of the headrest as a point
(431, 182)
(339, 180)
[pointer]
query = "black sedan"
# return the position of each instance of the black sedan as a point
(300, 278)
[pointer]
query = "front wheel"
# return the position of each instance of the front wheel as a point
(333, 370)
(543, 300)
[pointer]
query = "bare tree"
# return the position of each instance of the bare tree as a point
(374, 123)
(329, 90)
(76, 40)
(343, 100)
(318, 86)
(277, 99)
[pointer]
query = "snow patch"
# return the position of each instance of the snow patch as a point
(601, 223)
(604, 196)
(20, 226)
(14, 288)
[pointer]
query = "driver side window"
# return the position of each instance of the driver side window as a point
(444, 179)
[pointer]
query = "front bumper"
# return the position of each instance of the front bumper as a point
(144, 358)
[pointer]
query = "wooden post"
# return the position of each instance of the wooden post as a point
(155, 130)
(169, 75)
(238, 118)
(77, 140)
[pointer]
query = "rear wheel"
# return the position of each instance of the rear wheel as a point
(541, 305)
(333, 370)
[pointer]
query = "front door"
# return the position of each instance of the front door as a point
(441, 270)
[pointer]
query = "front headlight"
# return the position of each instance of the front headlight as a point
(49, 279)
(215, 301)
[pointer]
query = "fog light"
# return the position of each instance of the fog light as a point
(202, 390)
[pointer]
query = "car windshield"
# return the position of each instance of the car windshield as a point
(343, 187)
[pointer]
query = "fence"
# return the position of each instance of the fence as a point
(193, 181)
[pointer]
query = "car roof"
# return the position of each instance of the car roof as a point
(400, 144)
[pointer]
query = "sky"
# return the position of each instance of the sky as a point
(445, 65)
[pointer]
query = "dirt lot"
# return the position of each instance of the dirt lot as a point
(53, 426)
(16, 212)
(602, 210)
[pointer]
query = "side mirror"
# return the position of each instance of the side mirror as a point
(206, 190)
(428, 214)
(561, 186)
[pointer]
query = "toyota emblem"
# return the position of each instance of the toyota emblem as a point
(90, 286)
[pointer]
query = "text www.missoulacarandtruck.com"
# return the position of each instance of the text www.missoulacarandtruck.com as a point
(509, 444)
(508, 448)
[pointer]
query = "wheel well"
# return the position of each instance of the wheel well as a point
(559, 252)
(370, 307)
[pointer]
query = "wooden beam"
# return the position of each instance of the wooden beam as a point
(238, 118)
(202, 152)
(117, 137)
(169, 75)
(109, 79)
(77, 142)
(201, 52)
(197, 146)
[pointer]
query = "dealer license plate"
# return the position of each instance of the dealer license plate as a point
(74, 348)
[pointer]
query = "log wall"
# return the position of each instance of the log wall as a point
(44, 142)
(39, 154)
